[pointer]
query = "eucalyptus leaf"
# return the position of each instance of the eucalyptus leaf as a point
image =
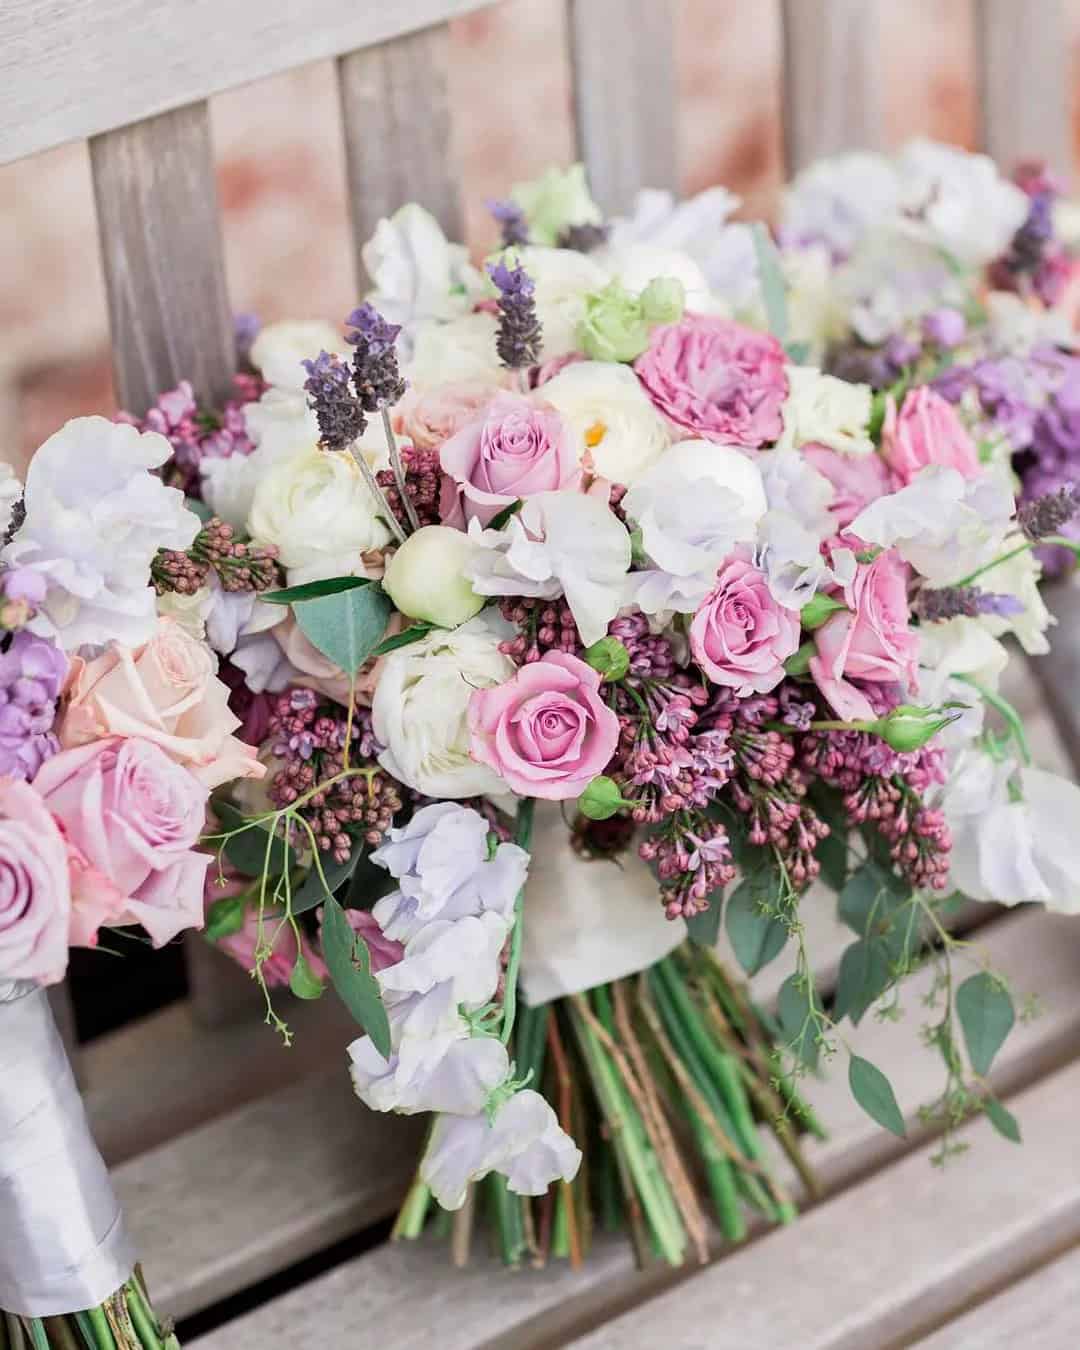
(704, 928)
(347, 959)
(756, 937)
(987, 1015)
(798, 1028)
(865, 974)
(832, 854)
(346, 626)
(225, 917)
(1002, 1120)
(413, 633)
(870, 897)
(873, 1091)
(314, 590)
(311, 892)
(773, 285)
(503, 517)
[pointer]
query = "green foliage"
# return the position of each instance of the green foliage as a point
(987, 1015)
(503, 517)
(873, 1091)
(349, 963)
(865, 974)
(314, 590)
(601, 799)
(757, 936)
(313, 891)
(406, 638)
(773, 285)
(346, 626)
(877, 905)
(251, 850)
(1002, 1120)
(303, 981)
(225, 917)
(799, 1012)
(799, 664)
(832, 854)
(704, 928)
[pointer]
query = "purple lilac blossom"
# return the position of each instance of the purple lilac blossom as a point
(32, 673)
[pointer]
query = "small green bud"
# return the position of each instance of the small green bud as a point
(799, 664)
(225, 917)
(613, 328)
(909, 728)
(558, 199)
(609, 657)
(663, 300)
(818, 609)
(601, 799)
(303, 981)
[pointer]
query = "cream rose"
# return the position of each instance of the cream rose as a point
(461, 351)
(281, 348)
(321, 515)
(611, 417)
(420, 711)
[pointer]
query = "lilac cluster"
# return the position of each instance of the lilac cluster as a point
(32, 673)
(238, 565)
(543, 626)
(1036, 263)
(423, 483)
(22, 592)
(519, 337)
(309, 736)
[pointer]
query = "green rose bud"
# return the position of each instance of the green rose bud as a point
(555, 201)
(909, 728)
(818, 609)
(303, 981)
(609, 657)
(663, 300)
(799, 664)
(613, 328)
(602, 799)
(426, 577)
(225, 917)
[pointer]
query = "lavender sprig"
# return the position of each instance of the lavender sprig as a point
(520, 336)
(376, 377)
(1045, 515)
(935, 605)
(511, 221)
(338, 412)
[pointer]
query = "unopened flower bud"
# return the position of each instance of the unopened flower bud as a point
(426, 577)
(609, 657)
(818, 609)
(908, 728)
(601, 799)
(613, 327)
(663, 300)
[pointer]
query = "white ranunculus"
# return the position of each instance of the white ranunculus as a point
(11, 489)
(1019, 578)
(556, 200)
(559, 543)
(837, 198)
(820, 409)
(563, 277)
(280, 349)
(426, 577)
(282, 426)
(943, 524)
(95, 517)
(611, 418)
(459, 352)
(420, 708)
(319, 512)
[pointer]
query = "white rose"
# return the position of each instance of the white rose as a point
(321, 515)
(611, 417)
(826, 411)
(420, 710)
(95, 517)
(11, 489)
(563, 278)
(281, 348)
(426, 577)
(461, 351)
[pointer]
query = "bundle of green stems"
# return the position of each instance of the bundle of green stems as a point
(125, 1321)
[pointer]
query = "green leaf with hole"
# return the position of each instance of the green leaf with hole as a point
(349, 963)
(346, 626)
(873, 1091)
(986, 1014)
(1002, 1120)
(756, 936)
(865, 974)
(314, 590)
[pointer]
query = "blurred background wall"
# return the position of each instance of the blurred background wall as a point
(281, 174)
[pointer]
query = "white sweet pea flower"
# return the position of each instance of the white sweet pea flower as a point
(95, 517)
(1018, 578)
(233, 615)
(943, 524)
(559, 543)
(660, 218)
(280, 349)
(823, 410)
(837, 198)
(461, 351)
(523, 1140)
(893, 277)
(611, 417)
(1015, 328)
(790, 533)
(563, 277)
(267, 670)
(419, 712)
(11, 489)
(461, 952)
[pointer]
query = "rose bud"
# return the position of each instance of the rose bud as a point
(426, 577)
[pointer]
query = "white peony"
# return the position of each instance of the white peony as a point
(822, 410)
(559, 543)
(319, 512)
(611, 418)
(461, 351)
(95, 517)
(280, 349)
(563, 278)
(11, 489)
(420, 709)
(426, 577)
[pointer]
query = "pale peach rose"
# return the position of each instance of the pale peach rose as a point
(318, 672)
(432, 416)
(165, 692)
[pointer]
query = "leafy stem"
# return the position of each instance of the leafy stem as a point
(523, 836)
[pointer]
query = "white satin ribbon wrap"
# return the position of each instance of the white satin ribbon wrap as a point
(63, 1245)
(587, 922)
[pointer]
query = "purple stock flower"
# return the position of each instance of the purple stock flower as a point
(32, 673)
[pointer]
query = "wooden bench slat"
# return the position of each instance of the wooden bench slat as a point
(396, 114)
(71, 69)
(832, 79)
(158, 217)
(536, 1309)
(625, 96)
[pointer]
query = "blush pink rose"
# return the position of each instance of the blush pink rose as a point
(857, 480)
(134, 816)
(431, 417)
(716, 378)
(872, 640)
(926, 430)
(165, 692)
(546, 731)
(740, 636)
(514, 449)
(35, 893)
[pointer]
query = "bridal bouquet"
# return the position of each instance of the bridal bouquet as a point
(574, 618)
(113, 730)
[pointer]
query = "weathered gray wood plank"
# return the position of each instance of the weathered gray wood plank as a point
(73, 68)
(1023, 63)
(832, 82)
(1042, 1311)
(625, 96)
(396, 114)
(161, 247)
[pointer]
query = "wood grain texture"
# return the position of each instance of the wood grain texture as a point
(1023, 62)
(220, 994)
(1058, 672)
(161, 246)
(1042, 1311)
(396, 114)
(625, 96)
(833, 90)
(73, 68)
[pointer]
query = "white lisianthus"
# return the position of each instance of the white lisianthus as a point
(459, 352)
(611, 418)
(559, 543)
(320, 514)
(426, 577)
(556, 200)
(420, 708)
(281, 348)
(11, 489)
(563, 278)
(1019, 579)
(943, 524)
(823, 410)
(95, 517)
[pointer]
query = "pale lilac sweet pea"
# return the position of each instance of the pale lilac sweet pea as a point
(463, 953)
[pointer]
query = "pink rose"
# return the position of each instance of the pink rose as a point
(546, 732)
(927, 430)
(716, 378)
(857, 480)
(135, 817)
(872, 640)
(433, 416)
(35, 894)
(740, 636)
(165, 692)
(514, 449)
